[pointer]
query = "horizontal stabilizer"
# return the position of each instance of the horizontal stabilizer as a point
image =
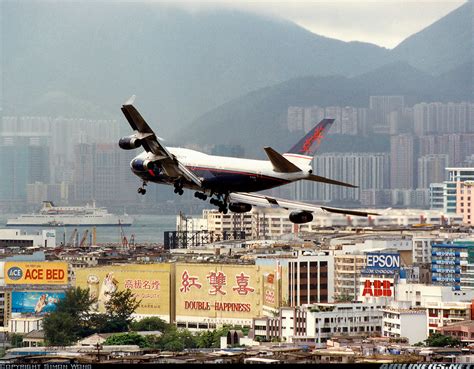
(280, 163)
(316, 178)
(348, 212)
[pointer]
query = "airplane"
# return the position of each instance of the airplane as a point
(229, 182)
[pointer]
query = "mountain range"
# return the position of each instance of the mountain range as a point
(190, 70)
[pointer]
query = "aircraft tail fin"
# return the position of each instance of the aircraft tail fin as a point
(306, 147)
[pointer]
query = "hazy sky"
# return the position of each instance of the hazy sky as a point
(382, 22)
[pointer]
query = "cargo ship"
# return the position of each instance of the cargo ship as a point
(59, 216)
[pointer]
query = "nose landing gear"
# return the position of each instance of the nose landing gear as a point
(178, 188)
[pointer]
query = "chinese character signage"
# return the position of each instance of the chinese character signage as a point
(218, 291)
(149, 283)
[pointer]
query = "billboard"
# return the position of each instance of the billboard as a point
(35, 272)
(149, 283)
(35, 302)
(382, 263)
(224, 291)
(377, 289)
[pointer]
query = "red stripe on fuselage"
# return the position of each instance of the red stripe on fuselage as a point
(299, 156)
(237, 172)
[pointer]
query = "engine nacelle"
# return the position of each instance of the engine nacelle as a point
(129, 142)
(239, 207)
(140, 165)
(300, 217)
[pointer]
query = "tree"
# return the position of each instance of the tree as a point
(71, 319)
(149, 324)
(343, 298)
(76, 303)
(60, 329)
(119, 310)
(439, 340)
(16, 340)
(131, 338)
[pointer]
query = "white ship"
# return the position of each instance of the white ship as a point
(88, 215)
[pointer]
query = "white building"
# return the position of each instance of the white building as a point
(25, 324)
(422, 247)
(407, 323)
(317, 323)
(17, 238)
(324, 321)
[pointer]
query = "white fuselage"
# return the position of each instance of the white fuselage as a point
(222, 172)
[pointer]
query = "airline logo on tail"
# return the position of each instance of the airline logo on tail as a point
(310, 143)
(317, 136)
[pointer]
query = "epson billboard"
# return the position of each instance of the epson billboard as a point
(383, 261)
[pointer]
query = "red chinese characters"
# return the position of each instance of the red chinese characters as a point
(188, 281)
(217, 281)
(242, 287)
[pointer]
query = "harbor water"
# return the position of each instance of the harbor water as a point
(146, 229)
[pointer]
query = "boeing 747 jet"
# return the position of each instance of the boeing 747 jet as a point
(229, 182)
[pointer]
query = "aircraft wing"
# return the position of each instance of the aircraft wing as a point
(269, 201)
(151, 143)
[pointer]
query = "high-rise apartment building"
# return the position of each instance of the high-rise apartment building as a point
(431, 169)
(23, 160)
(366, 170)
(438, 118)
(402, 160)
(381, 106)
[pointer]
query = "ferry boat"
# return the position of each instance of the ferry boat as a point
(59, 216)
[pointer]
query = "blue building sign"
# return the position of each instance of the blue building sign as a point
(382, 263)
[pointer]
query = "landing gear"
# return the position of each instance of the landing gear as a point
(142, 190)
(200, 195)
(178, 188)
(221, 203)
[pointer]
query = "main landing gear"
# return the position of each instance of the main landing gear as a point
(142, 190)
(200, 195)
(221, 203)
(178, 188)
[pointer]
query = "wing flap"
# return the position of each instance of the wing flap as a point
(268, 201)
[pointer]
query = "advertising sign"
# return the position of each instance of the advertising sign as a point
(377, 287)
(35, 272)
(35, 302)
(383, 261)
(222, 291)
(149, 283)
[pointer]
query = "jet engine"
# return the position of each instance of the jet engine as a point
(239, 207)
(300, 217)
(129, 142)
(145, 165)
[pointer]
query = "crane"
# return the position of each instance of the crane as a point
(72, 238)
(84, 238)
(123, 238)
